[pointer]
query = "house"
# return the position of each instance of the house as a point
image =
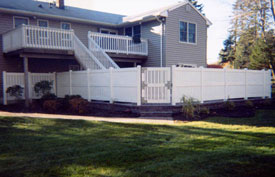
(40, 36)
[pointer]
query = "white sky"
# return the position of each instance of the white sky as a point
(217, 11)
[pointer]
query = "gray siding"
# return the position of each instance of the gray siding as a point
(177, 52)
(150, 31)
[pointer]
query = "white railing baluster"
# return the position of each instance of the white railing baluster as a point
(120, 44)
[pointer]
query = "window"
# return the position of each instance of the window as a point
(133, 31)
(137, 31)
(18, 21)
(108, 31)
(65, 26)
(129, 31)
(43, 23)
(187, 32)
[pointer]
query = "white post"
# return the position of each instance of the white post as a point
(111, 85)
(5, 102)
(139, 85)
(245, 82)
(263, 71)
(88, 83)
(174, 85)
(54, 83)
(202, 85)
(30, 85)
(26, 79)
(127, 46)
(71, 89)
(225, 83)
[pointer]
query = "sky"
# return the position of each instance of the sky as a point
(217, 11)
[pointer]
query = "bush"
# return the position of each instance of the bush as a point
(267, 102)
(43, 87)
(16, 91)
(51, 106)
(249, 104)
(189, 107)
(229, 105)
(49, 96)
(202, 110)
(79, 105)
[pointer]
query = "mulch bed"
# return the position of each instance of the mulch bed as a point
(20, 108)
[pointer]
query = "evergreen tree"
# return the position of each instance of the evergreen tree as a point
(197, 5)
(227, 54)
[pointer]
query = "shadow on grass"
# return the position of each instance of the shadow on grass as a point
(263, 118)
(35, 147)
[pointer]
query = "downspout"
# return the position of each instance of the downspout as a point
(161, 43)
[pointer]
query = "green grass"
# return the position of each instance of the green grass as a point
(214, 147)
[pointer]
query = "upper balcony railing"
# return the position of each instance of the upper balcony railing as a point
(27, 36)
(120, 44)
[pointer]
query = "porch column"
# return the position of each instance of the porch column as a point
(26, 79)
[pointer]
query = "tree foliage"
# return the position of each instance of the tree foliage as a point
(250, 40)
(197, 5)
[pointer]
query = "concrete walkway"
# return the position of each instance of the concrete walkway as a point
(91, 118)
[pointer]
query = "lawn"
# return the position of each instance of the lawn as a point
(214, 147)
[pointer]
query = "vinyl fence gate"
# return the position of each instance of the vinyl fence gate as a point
(156, 85)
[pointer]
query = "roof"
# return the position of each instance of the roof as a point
(36, 7)
(162, 12)
(69, 11)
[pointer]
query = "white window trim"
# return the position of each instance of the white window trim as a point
(20, 17)
(65, 23)
(109, 30)
(38, 20)
(188, 33)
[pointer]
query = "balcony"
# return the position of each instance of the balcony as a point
(120, 44)
(36, 37)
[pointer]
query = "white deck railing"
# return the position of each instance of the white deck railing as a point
(120, 44)
(28, 36)
(100, 54)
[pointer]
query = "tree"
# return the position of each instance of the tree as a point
(227, 54)
(272, 4)
(263, 52)
(197, 5)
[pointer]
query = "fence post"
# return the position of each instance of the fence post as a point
(127, 46)
(30, 85)
(264, 81)
(111, 84)
(201, 71)
(5, 102)
(245, 82)
(88, 83)
(138, 85)
(54, 83)
(70, 76)
(225, 83)
(173, 91)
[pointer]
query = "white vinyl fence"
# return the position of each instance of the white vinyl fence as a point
(11, 79)
(152, 85)
(119, 85)
(205, 84)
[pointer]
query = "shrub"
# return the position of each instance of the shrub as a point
(79, 105)
(202, 110)
(69, 97)
(16, 91)
(229, 105)
(267, 102)
(189, 107)
(51, 106)
(49, 96)
(43, 87)
(249, 104)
